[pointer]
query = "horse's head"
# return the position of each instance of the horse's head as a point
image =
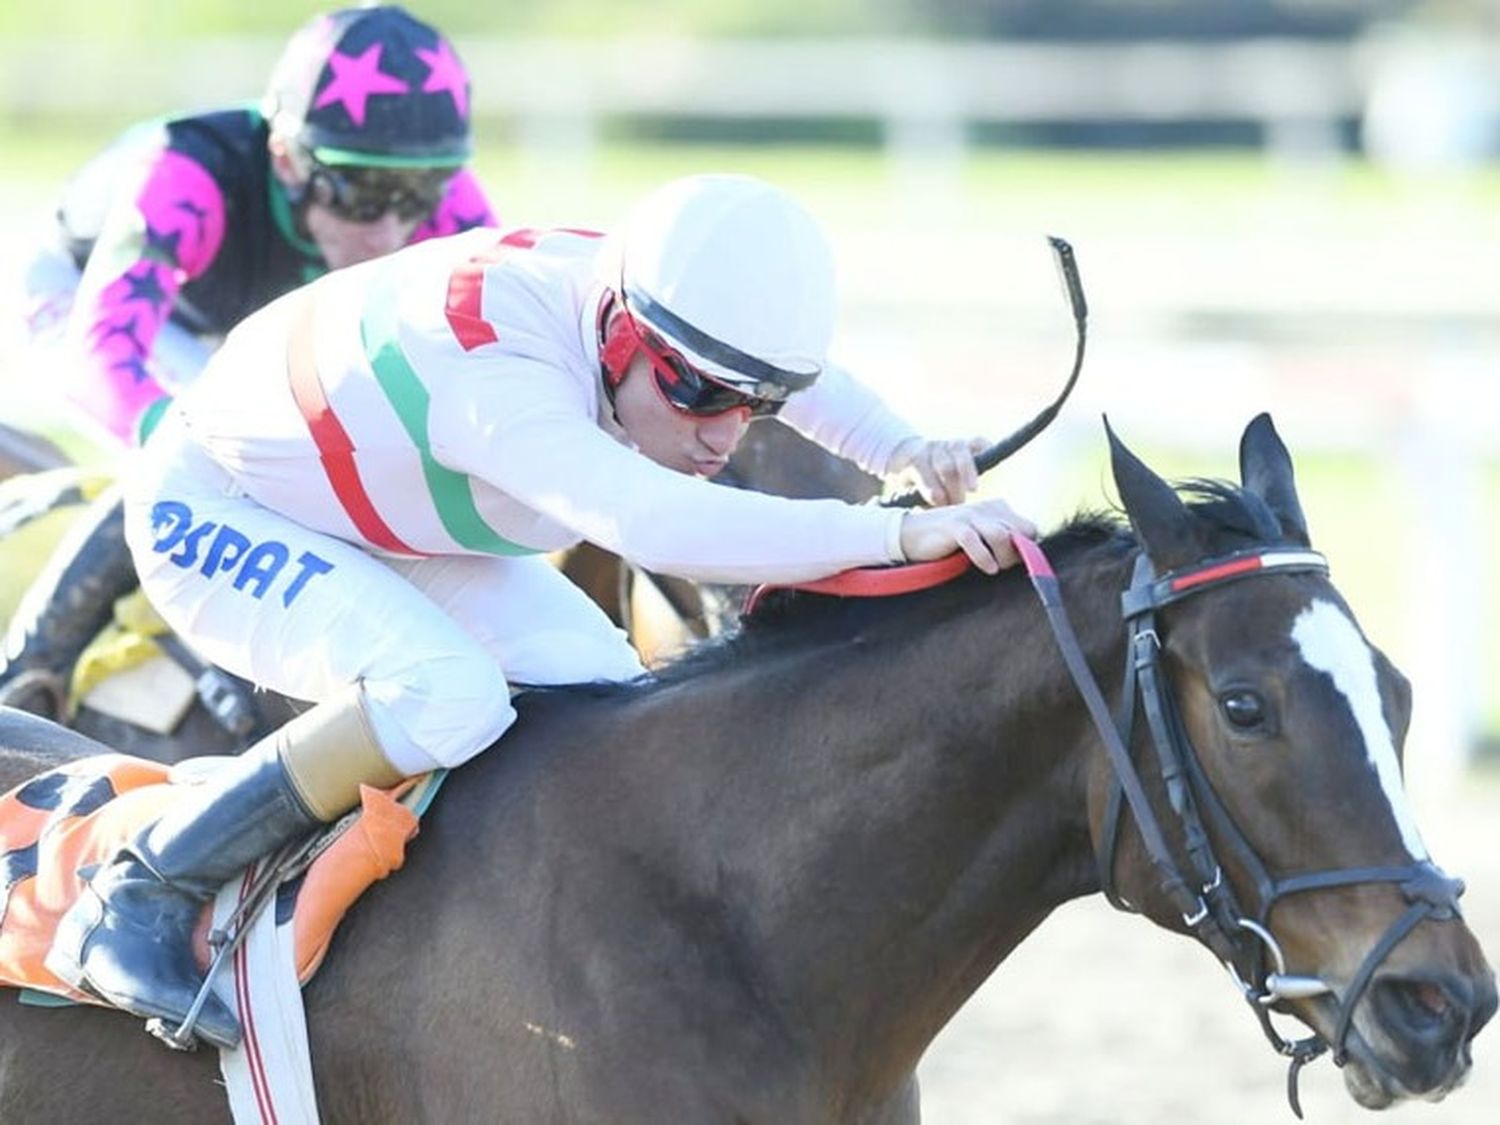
(1289, 726)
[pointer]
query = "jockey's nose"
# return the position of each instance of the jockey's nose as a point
(722, 432)
(381, 237)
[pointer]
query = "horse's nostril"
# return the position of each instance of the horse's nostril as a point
(1419, 1007)
(1431, 997)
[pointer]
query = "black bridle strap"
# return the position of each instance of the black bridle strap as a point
(1044, 581)
(1109, 833)
(1373, 960)
(1161, 721)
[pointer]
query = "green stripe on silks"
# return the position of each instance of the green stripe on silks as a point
(450, 490)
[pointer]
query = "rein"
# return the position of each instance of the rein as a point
(1242, 941)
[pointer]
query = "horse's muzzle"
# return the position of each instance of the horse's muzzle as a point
(1413, 1038)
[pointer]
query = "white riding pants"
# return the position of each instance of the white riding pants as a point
(435, 640)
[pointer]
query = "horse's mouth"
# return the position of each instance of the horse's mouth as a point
(1409, 1040)
(1375, 1084)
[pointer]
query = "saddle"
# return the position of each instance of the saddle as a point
(57, 827)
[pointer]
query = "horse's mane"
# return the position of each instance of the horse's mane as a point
(785, 619)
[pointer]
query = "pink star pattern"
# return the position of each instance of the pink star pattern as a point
(445, 72)
(355, 79)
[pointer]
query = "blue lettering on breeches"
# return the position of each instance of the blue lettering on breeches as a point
(219, 549)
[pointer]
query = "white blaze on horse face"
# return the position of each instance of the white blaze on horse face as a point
(1331, 643)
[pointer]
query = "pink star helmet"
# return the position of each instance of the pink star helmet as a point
(374, 87)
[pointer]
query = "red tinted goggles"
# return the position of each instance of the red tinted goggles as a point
(689, 390)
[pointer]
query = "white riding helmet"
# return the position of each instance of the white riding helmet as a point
(734, 274)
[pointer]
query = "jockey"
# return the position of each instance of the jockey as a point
(352, 504)
(184, 226)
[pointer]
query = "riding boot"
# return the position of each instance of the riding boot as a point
(65, 607)
(128, 938)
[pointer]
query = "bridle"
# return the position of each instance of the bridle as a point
(1241, 939)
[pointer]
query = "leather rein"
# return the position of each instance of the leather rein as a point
(1241, 939)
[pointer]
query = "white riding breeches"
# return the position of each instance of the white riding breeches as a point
(435, 640)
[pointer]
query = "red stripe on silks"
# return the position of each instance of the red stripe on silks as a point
(465, 291)
(335, 450)
(464, 306)
(264, 1102)
(1214, 573)
(465, 301)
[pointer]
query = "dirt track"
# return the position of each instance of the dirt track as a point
(1101, 1019)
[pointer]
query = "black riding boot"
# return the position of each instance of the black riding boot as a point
(128, 938)
(65, 607)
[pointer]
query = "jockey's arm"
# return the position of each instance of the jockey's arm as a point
(160, 232)
(555, 459)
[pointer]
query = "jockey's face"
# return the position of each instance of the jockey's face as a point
(344, 242)
(687, 443)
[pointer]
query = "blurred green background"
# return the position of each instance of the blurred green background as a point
(1277, 205)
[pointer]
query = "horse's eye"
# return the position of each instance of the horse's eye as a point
(1244, 709)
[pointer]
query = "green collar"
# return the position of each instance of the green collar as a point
(313, 264)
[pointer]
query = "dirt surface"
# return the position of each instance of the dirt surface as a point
(1102, 1019)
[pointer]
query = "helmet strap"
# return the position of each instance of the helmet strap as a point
(299, 191)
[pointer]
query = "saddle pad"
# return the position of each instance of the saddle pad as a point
(69, 819)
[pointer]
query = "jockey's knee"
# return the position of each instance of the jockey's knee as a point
(550, 656)
(440, 714)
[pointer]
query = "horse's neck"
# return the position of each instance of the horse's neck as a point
(903, 849)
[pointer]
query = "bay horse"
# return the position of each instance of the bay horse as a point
(756, 886)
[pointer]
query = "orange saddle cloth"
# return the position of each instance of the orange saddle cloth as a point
(66, 821)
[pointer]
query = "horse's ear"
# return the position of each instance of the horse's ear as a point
(1160, 518)
(1266, 471)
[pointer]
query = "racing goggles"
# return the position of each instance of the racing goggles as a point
(688, 389)
(361, 194)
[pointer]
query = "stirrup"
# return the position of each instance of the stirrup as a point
(270, 876)
(182, 1039)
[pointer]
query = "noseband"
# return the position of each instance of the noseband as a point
(1241, 939)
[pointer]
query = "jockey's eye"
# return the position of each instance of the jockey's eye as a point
(1244, 709)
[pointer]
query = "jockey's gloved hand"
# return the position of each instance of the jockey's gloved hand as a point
(981, 529)
(942, 471)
